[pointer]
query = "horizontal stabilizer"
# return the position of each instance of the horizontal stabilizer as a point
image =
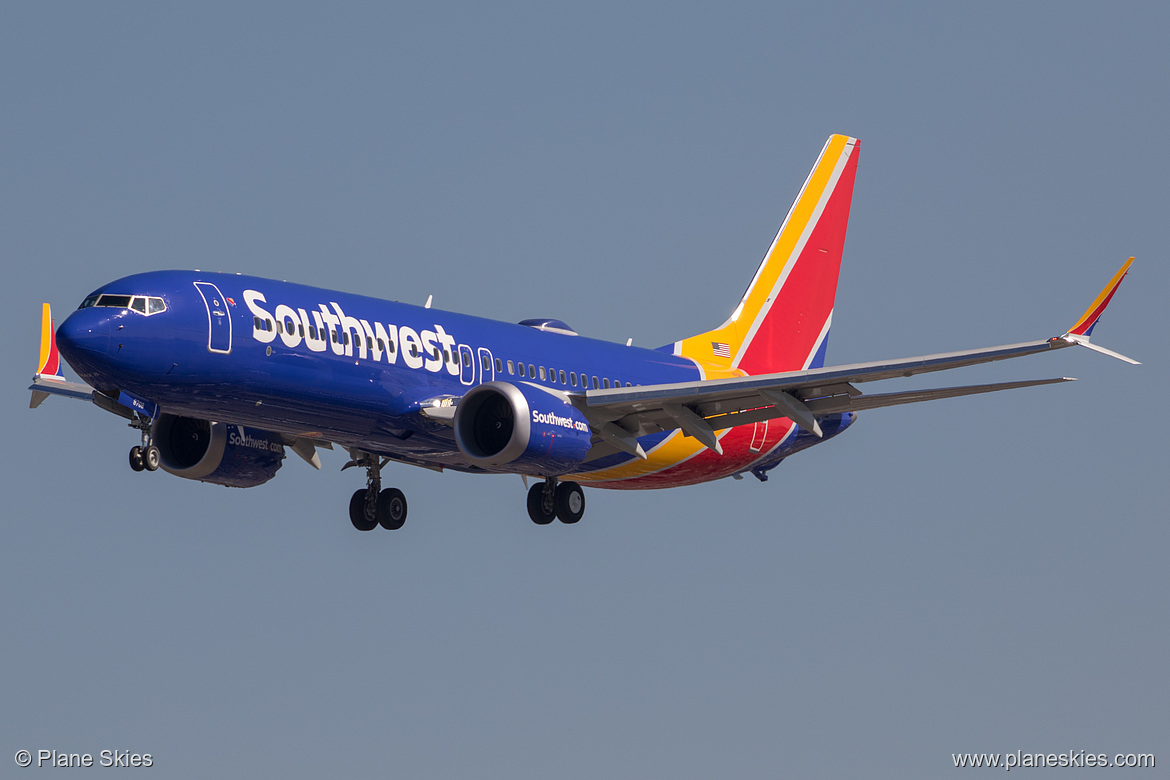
(846, 403)
(44, 386)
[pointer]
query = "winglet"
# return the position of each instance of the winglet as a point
(1084, 326)
(50, 365)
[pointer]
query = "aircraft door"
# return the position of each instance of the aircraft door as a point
(466, 365)
(759, 435)
(219, 323)
(487, 372)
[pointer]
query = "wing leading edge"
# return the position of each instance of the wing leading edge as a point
(701, 408)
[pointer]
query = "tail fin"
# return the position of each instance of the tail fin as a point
(50, 365)
(50, 361)
(782, 322)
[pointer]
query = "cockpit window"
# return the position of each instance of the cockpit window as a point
(115, 301)
(140, 303)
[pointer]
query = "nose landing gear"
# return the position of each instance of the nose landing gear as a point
(147, 456)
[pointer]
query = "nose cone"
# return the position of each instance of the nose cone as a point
(83, 335)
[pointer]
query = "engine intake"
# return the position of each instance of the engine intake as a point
(520, 426)
(217, 452)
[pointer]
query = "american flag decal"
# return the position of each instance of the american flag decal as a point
(721, 349)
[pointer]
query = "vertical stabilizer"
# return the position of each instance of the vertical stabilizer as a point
(50, 361)
(782, 322)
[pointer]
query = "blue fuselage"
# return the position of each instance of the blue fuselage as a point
(310, 362)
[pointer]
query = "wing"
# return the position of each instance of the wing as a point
(700, 408)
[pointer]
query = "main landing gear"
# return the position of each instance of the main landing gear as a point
(372, 506)
(147, 456)
(551, 499)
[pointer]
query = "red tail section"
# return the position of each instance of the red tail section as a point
(783, 320)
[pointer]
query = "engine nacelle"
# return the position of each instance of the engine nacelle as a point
(520, 426)
(216, 452)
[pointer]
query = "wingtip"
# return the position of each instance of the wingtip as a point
(1083, 327)
(1084, 342)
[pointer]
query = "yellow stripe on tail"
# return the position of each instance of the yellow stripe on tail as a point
(783, 318)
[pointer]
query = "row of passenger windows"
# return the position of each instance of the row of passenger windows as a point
(550, 374)
(521, 369)
(140, 303)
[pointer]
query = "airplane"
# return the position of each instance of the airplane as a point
(221, 373)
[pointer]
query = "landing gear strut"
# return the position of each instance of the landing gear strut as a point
(373, 506)
(146, 456)
(551, 499)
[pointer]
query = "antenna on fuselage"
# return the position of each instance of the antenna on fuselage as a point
(427, 305)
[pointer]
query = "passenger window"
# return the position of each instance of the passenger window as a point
(467, 360)
(521, 367)
(605, 383)
(542, 374)
(628, 384)
(573, 378)
(301, 329)
(485, 363)
(595, 383)
(499, 366)
(564, 381)
(511, 368)
(381, 345)
(280, 327)
(256, 323)
(531, 371)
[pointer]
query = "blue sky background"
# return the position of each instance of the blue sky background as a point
(976, 575)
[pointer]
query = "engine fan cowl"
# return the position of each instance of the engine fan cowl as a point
(525, 428)
(216, 452)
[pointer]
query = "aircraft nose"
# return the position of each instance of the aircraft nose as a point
(84, 331)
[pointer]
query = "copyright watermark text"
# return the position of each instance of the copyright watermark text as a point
(1070, 758)
(103, 758)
